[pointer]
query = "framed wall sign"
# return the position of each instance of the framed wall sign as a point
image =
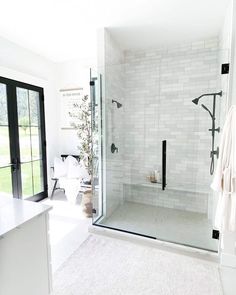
(68, 99)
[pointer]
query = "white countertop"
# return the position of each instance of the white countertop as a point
(15, 212)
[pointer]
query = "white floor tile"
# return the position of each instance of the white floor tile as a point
(68, 228)
(228, 279)
(178, 226)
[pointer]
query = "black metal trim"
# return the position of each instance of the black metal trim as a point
(13, 136)
(93, 105)
(125, 231)
(215, 234)
(225, 68)
(154, 238)
(37, 198)
(164, 145)
(102, 142)
(11, 86)
(43, 143)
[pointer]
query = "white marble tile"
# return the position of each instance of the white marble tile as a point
(178, 226)
(228, 279)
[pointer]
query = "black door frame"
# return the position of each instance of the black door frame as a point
(11, 86)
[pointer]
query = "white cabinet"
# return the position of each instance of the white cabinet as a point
(25, 264)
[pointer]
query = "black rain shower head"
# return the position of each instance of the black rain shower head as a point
(196, 100)
(214, 152)
(118, 104)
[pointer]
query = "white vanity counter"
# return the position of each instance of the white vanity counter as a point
(25, 258)
(15, 212)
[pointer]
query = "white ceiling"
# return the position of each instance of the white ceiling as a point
(66, 29)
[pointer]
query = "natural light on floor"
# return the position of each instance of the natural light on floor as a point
(68, 227)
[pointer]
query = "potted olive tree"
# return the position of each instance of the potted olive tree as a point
(81, 116)
(81, 122)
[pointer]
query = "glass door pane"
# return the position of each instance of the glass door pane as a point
(96, 112)
(189, 108)
(29, 128)
(5, 159)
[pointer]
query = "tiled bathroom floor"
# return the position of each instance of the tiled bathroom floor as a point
(178, 226)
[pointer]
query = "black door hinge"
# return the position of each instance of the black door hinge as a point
(92, 83)
(94, 211)
(224, 69)
(215, 234)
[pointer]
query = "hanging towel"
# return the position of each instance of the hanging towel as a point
(59, 168)
(75, 172)
(75, 169)
(224, 181)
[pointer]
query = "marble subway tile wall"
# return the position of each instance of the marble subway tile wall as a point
(171, 198)
(113, 128)
(159, 88)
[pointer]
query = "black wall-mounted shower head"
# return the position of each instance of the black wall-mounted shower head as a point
(118, 104)
(213, 129)
(195, 100)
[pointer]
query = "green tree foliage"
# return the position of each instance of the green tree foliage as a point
(24, 123)
(81, 121)
(3, 105)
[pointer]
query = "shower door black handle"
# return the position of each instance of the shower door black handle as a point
(164, 144)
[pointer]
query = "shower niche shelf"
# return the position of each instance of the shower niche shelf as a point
(158, 186)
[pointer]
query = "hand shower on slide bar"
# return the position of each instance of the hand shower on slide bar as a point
(213, 128)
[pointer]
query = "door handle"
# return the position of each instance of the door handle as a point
(15, 164)
(18, 162)
(164, 144)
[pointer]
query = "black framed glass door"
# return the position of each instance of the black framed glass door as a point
(22, 141)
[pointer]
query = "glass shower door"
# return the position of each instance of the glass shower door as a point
(156, 145)
(191, 106)
(96, 144)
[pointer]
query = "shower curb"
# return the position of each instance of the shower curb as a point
(161, 245)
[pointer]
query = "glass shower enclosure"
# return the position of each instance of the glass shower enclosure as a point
(152, 145)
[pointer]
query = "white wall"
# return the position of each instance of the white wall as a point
(23, 65)
(230, 31)
(71, 74)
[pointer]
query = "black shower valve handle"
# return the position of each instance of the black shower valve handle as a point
(216, 129)
(215, 152)
(114, 148)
